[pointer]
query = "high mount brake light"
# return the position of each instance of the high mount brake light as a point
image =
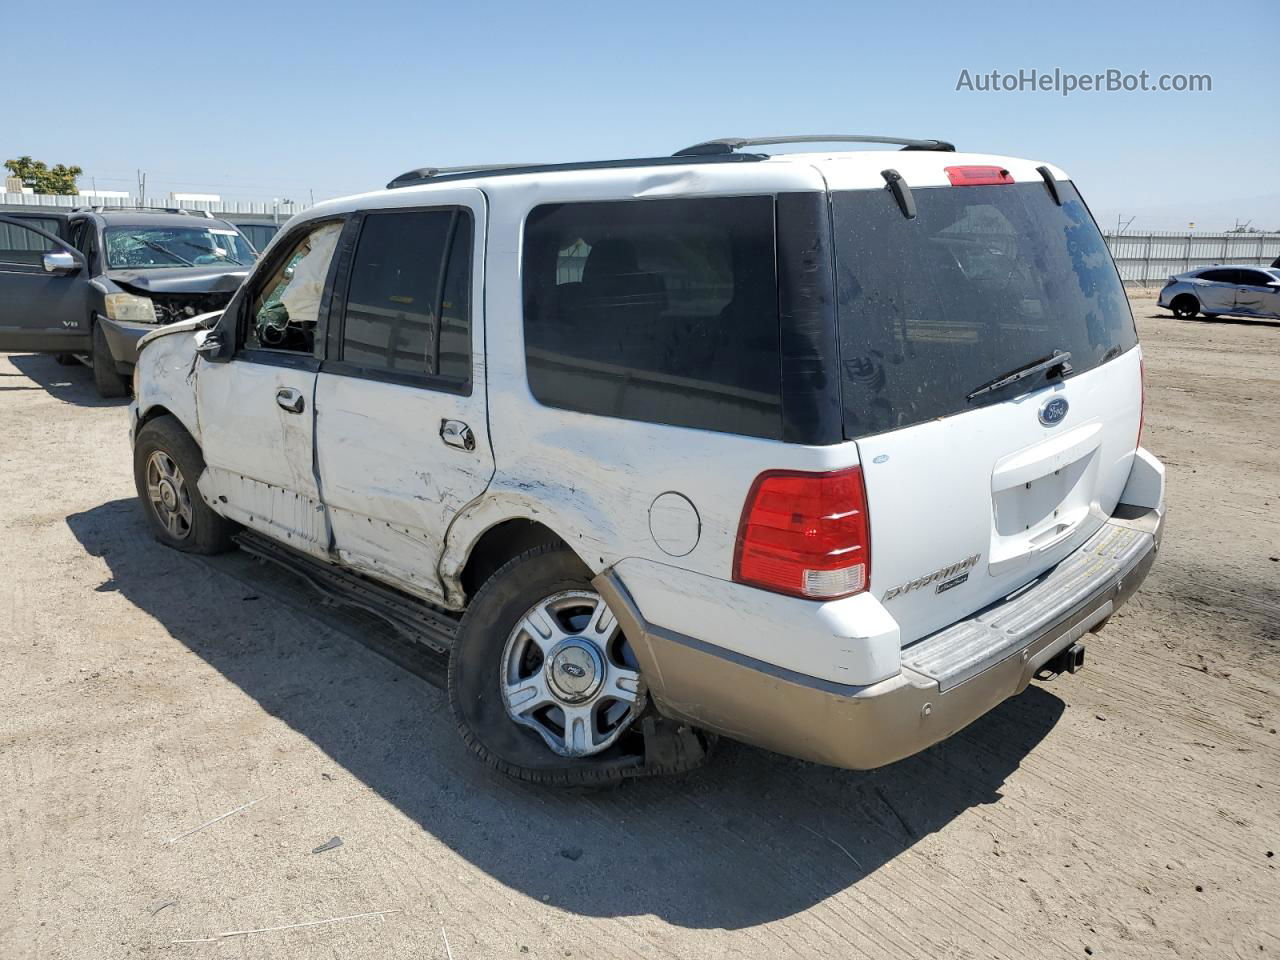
(805, 534)
(977, 176)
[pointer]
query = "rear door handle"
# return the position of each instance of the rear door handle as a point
(457, 434)
(290, 400)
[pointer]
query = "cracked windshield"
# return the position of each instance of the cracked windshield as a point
(152, 247)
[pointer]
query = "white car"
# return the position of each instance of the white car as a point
(828, 452)
(1223, 290)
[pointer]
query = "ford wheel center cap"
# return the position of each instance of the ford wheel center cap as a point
(575, 671)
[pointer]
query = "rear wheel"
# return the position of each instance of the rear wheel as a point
(1185, 306)
(105, 377)
(166, 465)
(542, 682)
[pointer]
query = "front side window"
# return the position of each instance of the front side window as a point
(664, 311)
(984, 280)
(1255, 278)
(286, 307)
(408, 300)
(152, 248)
(22, 246)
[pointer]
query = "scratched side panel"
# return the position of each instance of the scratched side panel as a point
(166, 378)
(391, 485)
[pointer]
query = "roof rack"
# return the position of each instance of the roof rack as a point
(112, 208)
(727, 145)
(443, 174)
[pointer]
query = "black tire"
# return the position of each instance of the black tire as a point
(205, 532)
(474, 671)
(1185, 306)
(65, 359)
(105, 377)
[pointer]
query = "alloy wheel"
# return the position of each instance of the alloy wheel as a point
(568, 674)
(168, 495)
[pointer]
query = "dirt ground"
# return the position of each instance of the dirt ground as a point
(1129, 811)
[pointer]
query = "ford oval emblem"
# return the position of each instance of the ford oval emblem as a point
(1054, 410)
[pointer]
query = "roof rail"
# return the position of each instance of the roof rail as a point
(112, 208)
(429, 173)
(727, 145)
(423, 175)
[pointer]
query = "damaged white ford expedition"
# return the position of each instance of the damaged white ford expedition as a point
(825, 452)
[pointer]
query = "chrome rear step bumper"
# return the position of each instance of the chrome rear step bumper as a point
(947, 681)
(963, 650)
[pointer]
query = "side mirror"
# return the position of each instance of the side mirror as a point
(211, 348)
(60, 262)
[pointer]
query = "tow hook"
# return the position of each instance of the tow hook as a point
(1070, 660)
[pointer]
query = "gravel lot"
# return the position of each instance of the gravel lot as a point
(1129, 811)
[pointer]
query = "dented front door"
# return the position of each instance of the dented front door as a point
(257, 431)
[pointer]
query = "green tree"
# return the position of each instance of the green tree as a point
(43, 179)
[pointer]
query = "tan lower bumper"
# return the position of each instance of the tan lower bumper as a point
(844, 726)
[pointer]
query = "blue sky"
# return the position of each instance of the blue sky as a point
(262, 101)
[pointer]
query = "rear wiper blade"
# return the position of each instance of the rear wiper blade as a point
(1058, 361)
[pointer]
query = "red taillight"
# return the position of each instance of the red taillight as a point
(805, 534)
(977, 176)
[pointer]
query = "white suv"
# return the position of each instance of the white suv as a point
(828, 452)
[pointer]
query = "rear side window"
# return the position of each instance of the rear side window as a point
(408, 302)
(1220, 276)
(259, 234)
(985, 280)
(664, 311)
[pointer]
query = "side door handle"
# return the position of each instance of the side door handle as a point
(455, 433)
(290, 400)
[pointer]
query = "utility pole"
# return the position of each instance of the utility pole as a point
(142, 189)
(313, 196)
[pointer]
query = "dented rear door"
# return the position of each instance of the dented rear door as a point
(402, 434)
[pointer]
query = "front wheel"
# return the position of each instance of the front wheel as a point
(1185, 306)
(542, 682)
(166, 465)
(105, 376)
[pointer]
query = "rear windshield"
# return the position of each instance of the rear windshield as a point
(983, 281)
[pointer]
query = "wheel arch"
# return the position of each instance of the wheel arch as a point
(157, 410)
(489, 545)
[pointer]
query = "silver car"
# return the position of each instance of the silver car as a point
(1223, 289)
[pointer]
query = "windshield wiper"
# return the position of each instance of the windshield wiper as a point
(162, 248)
(213, 250)
(1057, 362)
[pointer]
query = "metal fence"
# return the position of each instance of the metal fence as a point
(1154, 257)
(1142, 257)
(263, 210)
